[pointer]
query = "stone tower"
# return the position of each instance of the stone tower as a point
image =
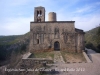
(52, 16)
(39, 14)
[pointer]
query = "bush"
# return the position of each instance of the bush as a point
(98, 46)
(90, 46)
(3, 52)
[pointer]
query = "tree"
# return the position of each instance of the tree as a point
(98, 38)
(98, 46)
(98, 35)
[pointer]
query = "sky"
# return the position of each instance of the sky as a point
(16, 15)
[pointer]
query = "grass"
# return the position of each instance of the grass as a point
(68, 57)
(73, 57)
(42, 55)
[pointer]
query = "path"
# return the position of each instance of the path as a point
(58, 59)
(78, 68)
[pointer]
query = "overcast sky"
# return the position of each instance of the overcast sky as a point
(15, 15)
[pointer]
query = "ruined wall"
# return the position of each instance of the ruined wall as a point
(80, 44)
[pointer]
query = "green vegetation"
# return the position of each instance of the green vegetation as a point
(43, 55)
(16, 43)
(92, 38)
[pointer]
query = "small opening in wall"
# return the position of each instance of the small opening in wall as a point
(39, 13)
(37, 41)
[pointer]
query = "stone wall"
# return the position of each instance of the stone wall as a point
(45, 34)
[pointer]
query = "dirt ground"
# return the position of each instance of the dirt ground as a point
(73, 57)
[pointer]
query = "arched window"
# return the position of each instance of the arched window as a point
(37, 12)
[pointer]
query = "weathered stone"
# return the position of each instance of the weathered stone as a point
(54, 35)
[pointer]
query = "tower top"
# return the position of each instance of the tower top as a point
(39, 14)
(52, 16)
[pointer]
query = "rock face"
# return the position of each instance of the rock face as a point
(54, 35)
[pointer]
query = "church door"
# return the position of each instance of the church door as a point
(56, 46)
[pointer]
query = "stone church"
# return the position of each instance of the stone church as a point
(53, 35)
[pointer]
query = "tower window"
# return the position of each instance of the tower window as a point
(39, 13)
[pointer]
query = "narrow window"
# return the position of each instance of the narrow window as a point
(37, 13)
(37, 41)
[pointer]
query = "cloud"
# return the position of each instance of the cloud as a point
(17, 14)
(87, 23)
(12, 26)
(85, 9)
(16, 2)
(84, 22)
(97, 3)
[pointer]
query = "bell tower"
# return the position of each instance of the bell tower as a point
(39, 14)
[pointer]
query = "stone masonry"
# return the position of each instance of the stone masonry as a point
(54, 35)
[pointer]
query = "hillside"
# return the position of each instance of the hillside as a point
(91, 35)
(10, 44)
(10, 40)
(91, 39)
